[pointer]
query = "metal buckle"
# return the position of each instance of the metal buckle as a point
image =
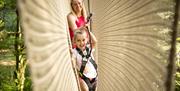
(84, 59)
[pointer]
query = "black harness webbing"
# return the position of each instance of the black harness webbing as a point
(91, 83)
(85, 57)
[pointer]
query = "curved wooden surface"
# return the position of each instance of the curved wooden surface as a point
(44, 24)
(133, 43)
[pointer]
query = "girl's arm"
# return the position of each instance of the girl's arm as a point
(93, 39)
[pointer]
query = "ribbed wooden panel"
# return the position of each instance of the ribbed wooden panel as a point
(133, 43)
(45, 30)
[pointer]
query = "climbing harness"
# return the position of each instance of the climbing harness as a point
(85, 58)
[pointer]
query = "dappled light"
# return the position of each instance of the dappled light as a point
(7, 63)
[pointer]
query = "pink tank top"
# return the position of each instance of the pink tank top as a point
(79, 22)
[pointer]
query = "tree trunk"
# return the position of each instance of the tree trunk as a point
(20, 59)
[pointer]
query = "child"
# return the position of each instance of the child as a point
(85, 64)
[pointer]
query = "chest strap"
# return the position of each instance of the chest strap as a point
(85, 58)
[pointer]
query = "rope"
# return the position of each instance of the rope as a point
(89, 20)
(89, 10)
(89, 7)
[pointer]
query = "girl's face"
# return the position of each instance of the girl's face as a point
(81, 41)
(77, 5)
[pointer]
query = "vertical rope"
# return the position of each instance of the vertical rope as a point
(170, 67)
(89, 10)
(89, 29)
(89, 7)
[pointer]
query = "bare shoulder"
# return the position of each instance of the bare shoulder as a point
(70, 16)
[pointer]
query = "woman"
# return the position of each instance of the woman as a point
(76, 18)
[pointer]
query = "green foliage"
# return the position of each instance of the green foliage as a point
(10, 4)
(28, 84)
(8, 86)
(6, 78)
(177, 76)
(8, 14)
(10, 21)
(2, 4)
(6, 47)
(3, 36)
(177, 81)
(7, 43)
(28, 81)
(1, 25)
(11, 44)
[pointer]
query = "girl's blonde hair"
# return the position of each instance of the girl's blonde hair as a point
(79, 32)
(83, 12)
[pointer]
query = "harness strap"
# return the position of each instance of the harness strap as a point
(94, 63)
(85, 59)
(90, 83)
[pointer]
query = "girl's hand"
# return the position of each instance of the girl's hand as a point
(83, 28)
